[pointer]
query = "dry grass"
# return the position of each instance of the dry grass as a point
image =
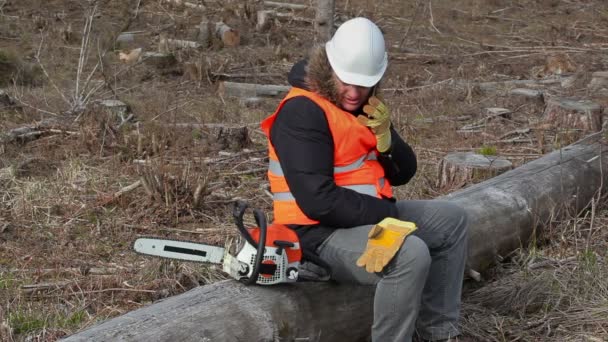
(65, 236)
(557, 293)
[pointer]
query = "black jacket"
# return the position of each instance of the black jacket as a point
(304, 145)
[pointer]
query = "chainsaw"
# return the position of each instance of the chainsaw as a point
(270, 254)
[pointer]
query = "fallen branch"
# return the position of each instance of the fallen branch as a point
(33, 132)
(182, 44)
(246, 75)
(285, 5)
(32, 288)
(246, 172)
(265, 19)
(127, 189)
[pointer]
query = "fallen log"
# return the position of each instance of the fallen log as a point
(236, 89)
(506, 210)
(504, 213)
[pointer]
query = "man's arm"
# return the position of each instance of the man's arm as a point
(304, 145)
(400, 163)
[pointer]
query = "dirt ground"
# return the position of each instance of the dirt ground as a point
(68, 215)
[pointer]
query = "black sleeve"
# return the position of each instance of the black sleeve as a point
(304, 145)
(400, 164)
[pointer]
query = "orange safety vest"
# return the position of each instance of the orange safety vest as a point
(355, 160)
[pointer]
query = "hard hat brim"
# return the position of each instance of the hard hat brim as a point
(355, 78)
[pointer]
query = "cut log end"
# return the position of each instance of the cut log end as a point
(229, 36)
(461, 168)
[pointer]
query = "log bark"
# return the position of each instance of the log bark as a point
(503, 212)
(230, 311)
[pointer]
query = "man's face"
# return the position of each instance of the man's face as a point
(351, 97)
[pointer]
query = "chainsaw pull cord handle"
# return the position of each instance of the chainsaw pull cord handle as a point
(239, 210)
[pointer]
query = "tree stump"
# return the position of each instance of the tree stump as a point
(115, 108)
(204, 35)
(264, 20)
(6, 101)
(599, 81)
(461, 168)
(220, 136)
(581, 115)
(159, 60)
(229, 36)
(233, 138)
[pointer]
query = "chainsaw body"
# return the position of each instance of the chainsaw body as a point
(269, 255)
(280, 261)
(272, 253)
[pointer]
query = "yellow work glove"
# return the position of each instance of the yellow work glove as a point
(379, 121)
(384, 240)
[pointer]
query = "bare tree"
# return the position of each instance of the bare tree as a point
(324, 20)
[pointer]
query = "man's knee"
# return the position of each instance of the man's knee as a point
(413, 257)
(455, 214)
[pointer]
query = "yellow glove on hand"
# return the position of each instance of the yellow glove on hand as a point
(379, 121)
(384, 241)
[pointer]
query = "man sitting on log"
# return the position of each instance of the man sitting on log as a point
(333, 159)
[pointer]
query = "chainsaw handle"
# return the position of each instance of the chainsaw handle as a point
(238, 212)
(260, 219)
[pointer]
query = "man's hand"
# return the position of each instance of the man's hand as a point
(379, 121)
(384, 241)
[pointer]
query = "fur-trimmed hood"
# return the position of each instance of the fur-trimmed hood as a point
(315, 74)
(319, 75)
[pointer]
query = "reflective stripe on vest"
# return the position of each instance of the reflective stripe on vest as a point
(365, 189)
(274, 166)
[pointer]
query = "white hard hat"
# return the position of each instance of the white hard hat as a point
(356, 52)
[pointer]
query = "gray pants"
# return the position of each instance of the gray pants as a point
(420, 288)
